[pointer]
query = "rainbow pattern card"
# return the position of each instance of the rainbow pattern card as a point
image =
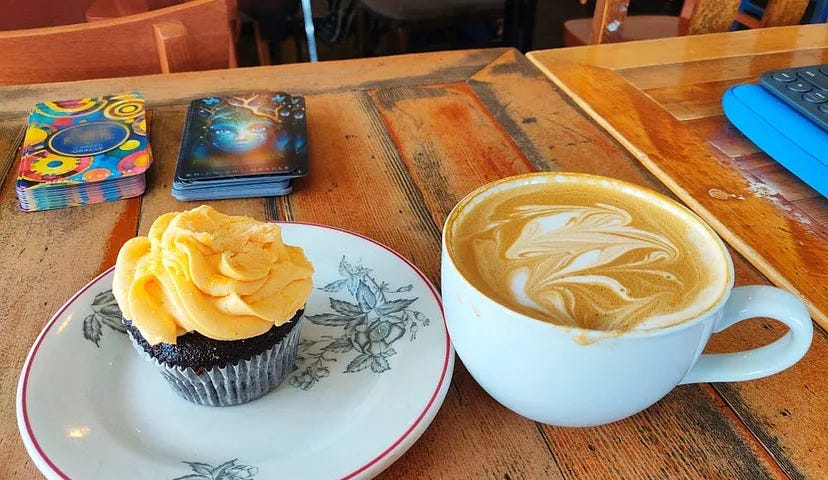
(78, 152)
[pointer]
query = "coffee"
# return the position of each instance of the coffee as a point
(583, 251)
(616, 259)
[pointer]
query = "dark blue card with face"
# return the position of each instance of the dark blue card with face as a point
(243, 136)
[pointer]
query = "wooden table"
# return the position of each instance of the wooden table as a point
(395, 142)
(662, 101)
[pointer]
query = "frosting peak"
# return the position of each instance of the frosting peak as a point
(226, 277)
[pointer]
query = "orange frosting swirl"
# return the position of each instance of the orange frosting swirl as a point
(225, 277)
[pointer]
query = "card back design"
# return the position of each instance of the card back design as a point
(85, 141)
(244, 135)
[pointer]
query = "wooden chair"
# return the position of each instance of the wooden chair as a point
(108, 9)
(610, 22)
(22, 14)
(191, 36)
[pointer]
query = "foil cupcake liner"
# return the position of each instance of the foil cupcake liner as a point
(232, 384)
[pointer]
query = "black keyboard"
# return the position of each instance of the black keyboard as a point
(805, 89)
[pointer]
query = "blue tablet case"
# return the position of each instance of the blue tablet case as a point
(788, 137)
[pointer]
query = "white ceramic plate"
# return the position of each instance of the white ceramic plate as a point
(375, 364)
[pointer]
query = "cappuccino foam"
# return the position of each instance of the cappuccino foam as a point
(582, 251)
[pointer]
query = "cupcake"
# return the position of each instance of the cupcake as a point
(214, 302)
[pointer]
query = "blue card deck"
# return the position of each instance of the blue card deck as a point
(246, 145)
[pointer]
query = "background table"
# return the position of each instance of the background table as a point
(394, 143)
(662, 100)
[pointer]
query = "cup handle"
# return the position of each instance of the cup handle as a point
(751, 302)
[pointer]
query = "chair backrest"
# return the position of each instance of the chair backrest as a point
(106, 9)
(697, 16)
(20, 14)
(109, 9)
(191, 36)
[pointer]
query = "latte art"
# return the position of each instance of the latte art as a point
(563, 252)
(586, 256)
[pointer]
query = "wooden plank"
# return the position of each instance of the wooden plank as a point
(712, 16)
(465, 441)
(356, 167)
(691, 48)
(549, 128)
(170, 89)
(174, 51)
(777, 179)
(783, 12)
(816, 207)
(692, 102)
(720, 133)
(457, 146)
(690, 433)
(351, 151)
(728, 71)
(11, 137)
(797, 259)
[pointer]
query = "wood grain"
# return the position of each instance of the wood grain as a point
(693, 48)
(165, 90)
(722, 135)
(783, 12)
(742, 69)
(447, 167)
(548, 128)
(474, 437)
(174, 51)
(692, 102)
(783, 411)
(682, 161)
(356, 168)
(685, 435)
(712, 16)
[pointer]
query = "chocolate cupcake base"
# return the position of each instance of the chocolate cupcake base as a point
(218, 383)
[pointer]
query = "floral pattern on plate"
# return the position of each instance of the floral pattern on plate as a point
(229, 470)
(373, 322)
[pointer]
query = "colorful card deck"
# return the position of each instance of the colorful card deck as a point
(83, 151)
(245, 145)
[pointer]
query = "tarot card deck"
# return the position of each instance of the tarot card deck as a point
(245, 145)
(83, 151)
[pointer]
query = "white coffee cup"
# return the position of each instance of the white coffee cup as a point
(573, 376)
